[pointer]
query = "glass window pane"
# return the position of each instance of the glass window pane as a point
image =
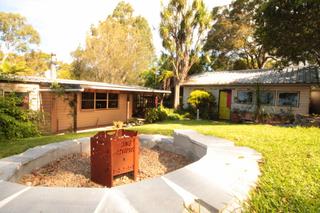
(113, 96)
(87, 101)
(288, 99)
(267, 98)
(244, 97)
(87, 105)
(101, 95)
(113, 104)
(113, 100)
(87, 96)
(101, 104)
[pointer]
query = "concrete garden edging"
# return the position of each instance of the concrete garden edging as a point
(220, 179)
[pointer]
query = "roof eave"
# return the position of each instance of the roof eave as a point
(126, 89)
(252, 84)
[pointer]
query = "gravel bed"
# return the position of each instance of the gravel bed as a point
(74, 170)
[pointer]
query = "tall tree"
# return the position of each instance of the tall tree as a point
(79, 68)
(231, 40)
(30, 63)
(64, 70)
(183, 27)
(118, 49)
(291, 29)
(16, 35)
(37, 62)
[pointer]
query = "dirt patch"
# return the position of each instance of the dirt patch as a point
(74, 170)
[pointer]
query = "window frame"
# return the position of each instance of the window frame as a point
(298, 97)
(95, 100)
(252, 97)
(18, 94)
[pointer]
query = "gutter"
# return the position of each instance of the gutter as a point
(66, 90)
(127, 89)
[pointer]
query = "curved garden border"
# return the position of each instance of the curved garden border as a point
(220, 179)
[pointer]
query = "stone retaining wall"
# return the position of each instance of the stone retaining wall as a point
(219, 180)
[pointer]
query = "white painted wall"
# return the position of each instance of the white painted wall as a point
(304, 99)
(32, 89)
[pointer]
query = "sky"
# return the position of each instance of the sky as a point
(63, 24)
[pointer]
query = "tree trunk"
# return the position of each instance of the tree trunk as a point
(177, 95)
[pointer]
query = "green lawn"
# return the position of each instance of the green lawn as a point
(8, 148)
(290, 180)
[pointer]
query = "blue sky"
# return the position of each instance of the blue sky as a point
(63, 24)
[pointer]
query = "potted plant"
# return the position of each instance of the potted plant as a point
(235, 116)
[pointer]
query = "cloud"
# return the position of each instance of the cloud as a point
(63, 24)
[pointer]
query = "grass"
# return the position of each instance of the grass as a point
(12, 147)
(291, 168)
(290, 171)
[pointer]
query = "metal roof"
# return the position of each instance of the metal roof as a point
(302, 75)
(80, 84)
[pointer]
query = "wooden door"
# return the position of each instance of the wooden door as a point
(224, 104)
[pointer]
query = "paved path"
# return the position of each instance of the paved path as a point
(219, 180)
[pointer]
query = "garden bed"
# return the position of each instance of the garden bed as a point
(74, 170)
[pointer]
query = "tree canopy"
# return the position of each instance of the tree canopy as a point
(183, 28)
(117, 50)
(16, 35)
(291, 29)
(231, 40)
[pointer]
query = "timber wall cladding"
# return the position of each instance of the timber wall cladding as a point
(99, 117)
(57, 112)
(63, 113)
(46, 106)
(304, 96)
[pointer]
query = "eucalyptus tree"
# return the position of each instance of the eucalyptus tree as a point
(118, 49)
(16, 35)
(183, 28)
(231, 40)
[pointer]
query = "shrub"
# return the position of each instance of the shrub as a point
(161, 114)
(204, 101)
(16, 122)
(153, 115)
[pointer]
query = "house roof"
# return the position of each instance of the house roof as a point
(74, 85)
(304, 75)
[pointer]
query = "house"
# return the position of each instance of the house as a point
(293, 90)
(72, 104)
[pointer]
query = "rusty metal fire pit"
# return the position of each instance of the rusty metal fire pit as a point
(113, 153)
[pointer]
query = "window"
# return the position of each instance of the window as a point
(101, 100)
(244, 97)
(267, 98)
(87, 101)
(113, 100)
(290, 99)
(22, 96)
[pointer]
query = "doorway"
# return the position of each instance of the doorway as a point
(225, 104)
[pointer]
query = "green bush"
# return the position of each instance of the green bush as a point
(15, 122)
(153, 115)
(204, 101)
(161, 114)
